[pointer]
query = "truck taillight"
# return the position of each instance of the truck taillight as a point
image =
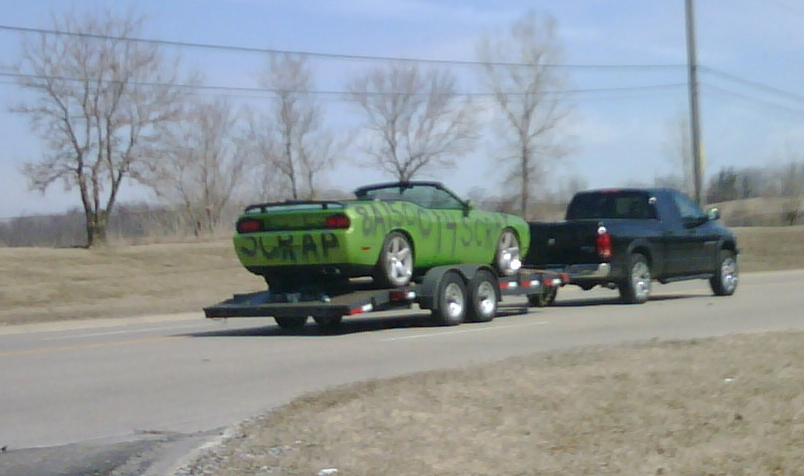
(249, 225)
(603, 243)
(338, 221)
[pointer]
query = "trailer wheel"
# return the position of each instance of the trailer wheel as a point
(482, 291)
(545, 298)
(291, 322)
(451, 299)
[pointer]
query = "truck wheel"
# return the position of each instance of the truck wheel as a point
(545, 298)
(329, 322)
(291, 322)
(507, 260)
(395, 264)
(724, 282)
(482, 291)
(635, 289)
(451, 300)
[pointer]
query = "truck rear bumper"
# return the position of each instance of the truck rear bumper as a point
(588, 271)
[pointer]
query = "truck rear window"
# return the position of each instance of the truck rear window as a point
(615, 204)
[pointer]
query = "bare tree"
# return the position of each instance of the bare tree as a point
(203, 164)
(414, 120)
(291, 136)
(519, 68)
(99, 97)
(791, 189)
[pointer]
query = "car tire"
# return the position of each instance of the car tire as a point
(724, 282)
(507, 259)
(395, 263)
(545, 298)
(291, 323)
(482, 290)
(636, 287)
(451, 299)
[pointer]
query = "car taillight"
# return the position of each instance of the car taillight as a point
(337, 221)
(249, 225)
(603, 243)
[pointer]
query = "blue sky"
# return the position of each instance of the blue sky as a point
(750, 52)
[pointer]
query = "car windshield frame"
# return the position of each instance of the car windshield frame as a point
(424, 194)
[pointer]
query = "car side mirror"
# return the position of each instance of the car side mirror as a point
(469, 205)
(713, 214)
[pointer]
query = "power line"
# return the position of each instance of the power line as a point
(745, 97)
(753, 84)
(338, 56)
(255, 90)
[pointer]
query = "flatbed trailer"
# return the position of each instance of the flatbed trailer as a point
(453, 294)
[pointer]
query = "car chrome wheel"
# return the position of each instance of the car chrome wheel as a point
(726, 277)
(396, 260)
(636, 285)
(728, 272)
(507, 259)
(640, 280)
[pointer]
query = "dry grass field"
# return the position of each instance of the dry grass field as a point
(726, 406)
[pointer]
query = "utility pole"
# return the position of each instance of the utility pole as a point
(692, 74)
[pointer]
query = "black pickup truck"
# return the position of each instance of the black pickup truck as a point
(627, 238)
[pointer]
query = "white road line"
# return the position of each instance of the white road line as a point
(111, 333)
(463, 331)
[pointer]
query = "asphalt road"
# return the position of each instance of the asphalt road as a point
(131, 396)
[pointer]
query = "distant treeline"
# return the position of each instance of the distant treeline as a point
(144, 223)
(130, 223)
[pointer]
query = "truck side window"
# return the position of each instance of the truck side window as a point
(688, 209)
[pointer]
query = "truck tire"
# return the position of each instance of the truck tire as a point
(635, 287)
(482, 290)
(451, 299)
(395, 263)
(724, 282)
(545, 298)
(507, 260)
(291, 322)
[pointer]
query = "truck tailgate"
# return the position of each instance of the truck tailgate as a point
(562, 243)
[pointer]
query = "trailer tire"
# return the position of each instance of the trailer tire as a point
(451, 299)
(482, 290)
(545, 298)
(291, 323)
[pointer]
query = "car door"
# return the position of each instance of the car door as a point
(690, 254)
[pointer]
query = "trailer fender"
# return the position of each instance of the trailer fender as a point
(428, 289)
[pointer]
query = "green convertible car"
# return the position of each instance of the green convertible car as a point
(392, 232)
